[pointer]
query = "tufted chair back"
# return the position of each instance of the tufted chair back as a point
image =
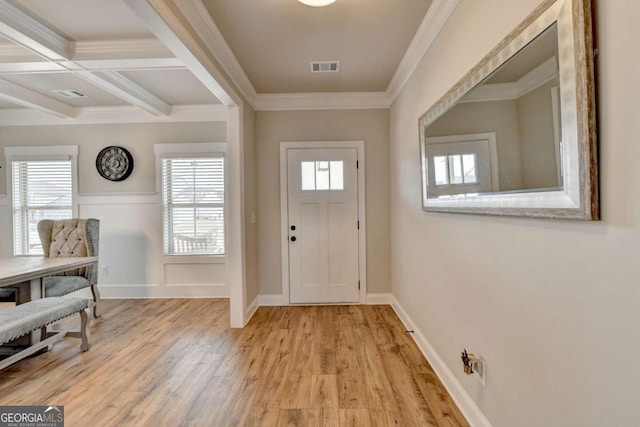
(74, 237)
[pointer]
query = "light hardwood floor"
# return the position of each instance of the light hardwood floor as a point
(176, 363)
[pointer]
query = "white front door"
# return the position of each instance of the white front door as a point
(322, 190)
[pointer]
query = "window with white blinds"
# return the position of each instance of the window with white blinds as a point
(193, 205)
(41, 190)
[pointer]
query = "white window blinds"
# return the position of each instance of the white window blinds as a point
(193, 206)
(40, 190)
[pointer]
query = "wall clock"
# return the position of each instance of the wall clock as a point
(114, 163)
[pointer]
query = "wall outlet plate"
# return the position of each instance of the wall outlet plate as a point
(480, 369)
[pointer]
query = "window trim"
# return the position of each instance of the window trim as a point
(40, 153)
(191, 150)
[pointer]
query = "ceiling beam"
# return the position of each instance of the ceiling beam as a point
(200, 19)
(95, 55)
(137, 64)
(30, 99)
(183, 45)
(141, 64)
(119, 115)
(30, 67)
(26, 31)
(121, 48)
(120, 86)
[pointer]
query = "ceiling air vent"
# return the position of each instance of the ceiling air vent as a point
(325, 66)
(70, 93)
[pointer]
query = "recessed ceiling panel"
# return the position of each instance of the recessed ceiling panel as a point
(176, 87)
(275, 41)
(88, 19)
(46, 83)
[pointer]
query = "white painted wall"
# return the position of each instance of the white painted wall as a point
(552, 306)
(129, 211)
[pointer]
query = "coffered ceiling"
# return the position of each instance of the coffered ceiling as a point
(99, 50)
(107, 52)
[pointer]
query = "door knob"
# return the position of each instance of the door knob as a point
(293, 228)
(293, 238)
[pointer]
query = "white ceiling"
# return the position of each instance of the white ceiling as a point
(275, 40)
(88, 19)
(107, 50)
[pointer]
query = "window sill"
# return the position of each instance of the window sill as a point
(194, 259)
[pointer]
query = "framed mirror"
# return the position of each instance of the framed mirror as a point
(517, 134)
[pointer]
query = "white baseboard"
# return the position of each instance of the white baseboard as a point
(467, 406)
(379, 299)
(251, 310)
(272, 300)
(164, 291)
(278, 300)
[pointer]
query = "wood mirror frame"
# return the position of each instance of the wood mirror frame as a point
(578, 197)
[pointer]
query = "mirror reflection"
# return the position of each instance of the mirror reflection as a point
(505, 134)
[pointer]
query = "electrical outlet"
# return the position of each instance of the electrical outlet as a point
(480, 369)
(105, 270)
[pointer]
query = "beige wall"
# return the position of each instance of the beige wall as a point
(500, 117)
(551, 305)
(90, 139)
(535, 119)
(352, 125)
(250, 204)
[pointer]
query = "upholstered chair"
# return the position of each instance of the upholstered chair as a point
(73, 237)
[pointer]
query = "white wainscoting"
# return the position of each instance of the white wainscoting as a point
(131, 250)
(132, 263)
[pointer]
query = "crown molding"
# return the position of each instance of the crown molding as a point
(26, 31)
(120, 114)
(321, 101)
(434, 20)
(200, 19)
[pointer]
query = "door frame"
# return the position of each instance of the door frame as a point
(284, 211)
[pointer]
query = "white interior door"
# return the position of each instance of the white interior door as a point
(322, 189)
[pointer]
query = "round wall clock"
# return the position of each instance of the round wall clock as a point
(114, 163)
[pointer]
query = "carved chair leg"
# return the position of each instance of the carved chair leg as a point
(97, 306)
(84, 331)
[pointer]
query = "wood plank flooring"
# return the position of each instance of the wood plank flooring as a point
(177, 363)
